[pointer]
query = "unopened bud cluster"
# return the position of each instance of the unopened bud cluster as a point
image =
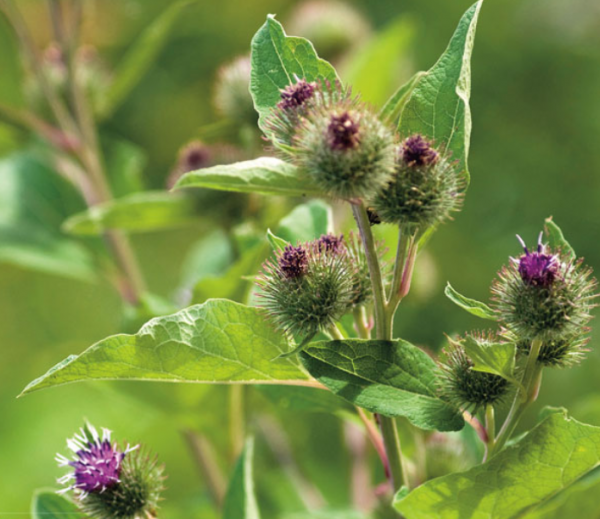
(345, 149)
(306, 288)
(467, 388)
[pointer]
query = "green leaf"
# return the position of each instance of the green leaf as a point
(375, 70)
(393, 106)
(125, 163)
(498, 359)
(438, 105)
(34, 201)
(557, 238)
(393, 378)
(47, 504)
(265, 175)
(276, 59)
(208, 257)
(139, 212)
(306, 222)
(140, 57)
(217, 342)
(276, 242)
(549, 459)
(470, 305)
(304, 399)
(580, 500)
(240, 501)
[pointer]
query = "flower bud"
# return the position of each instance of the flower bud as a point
(558, 353)
(306, 288)
(342, 146)
(110, 482)
(425, 188)
(465, 387)
(542, 295)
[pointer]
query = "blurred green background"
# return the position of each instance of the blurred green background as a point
(534, 153)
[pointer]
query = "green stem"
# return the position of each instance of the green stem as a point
(525, 396)
(360, 322)
(403, 270)
(335, 333)
(382, 330)
(490, 427)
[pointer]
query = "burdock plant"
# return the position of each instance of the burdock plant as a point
(322, 317)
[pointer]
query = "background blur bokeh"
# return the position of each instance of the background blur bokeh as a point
(534, 153)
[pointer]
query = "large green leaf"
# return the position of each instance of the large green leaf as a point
(580, 500)
(217, 342)
(393, 378)
(276, 60)
(553, 456)
(438, 106)
(557, 239)
(47, 504)
(306, 222)
(393, 106)
(472, 306)
(266, 175)
(240, 501)
(140, 57)
(139, 212)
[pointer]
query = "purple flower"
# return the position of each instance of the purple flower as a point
(343, 132)
(293, 261)
(293, 96)
(96, 463)
(330, 243)
(416, 151)
(538, 268)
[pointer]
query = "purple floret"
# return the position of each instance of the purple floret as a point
(96, 464)
(538, 268)
(293, 261)
(343, 132)
(330, 243)
(293, 96)
(416, 151)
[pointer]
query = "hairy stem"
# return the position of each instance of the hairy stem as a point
(361, 322)
(526, 395)
(383, 331)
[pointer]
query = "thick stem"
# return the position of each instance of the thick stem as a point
(361, 322)
(389, 432)
(526, 395)
(403, 271)
(490, 427)
(382, 330)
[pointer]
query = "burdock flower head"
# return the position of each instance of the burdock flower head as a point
(110, 482)
(424, 190)
(341, 145)
(545, 295)
(460, 384)
(296, 100)
(307, 287)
